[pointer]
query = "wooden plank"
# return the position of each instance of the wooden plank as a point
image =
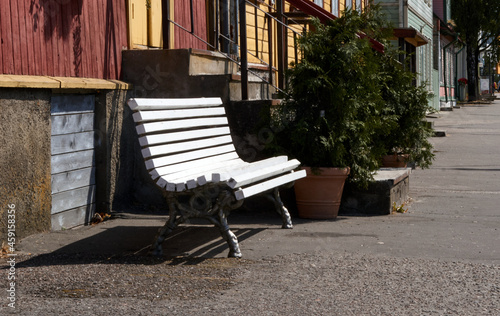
(42, 51)
(72, 161)
(147, 104)
(25, 43)
(106, 39)
(163, 171)
(71, 180)
(66, 36)
(71, 199)
(178, 158)
(16, 51)
(197, 176)
(268, 185)
(143, 116)
(185, 146)
(94, 38)
(75, 123)
(227, 173)
(72, 142)
(185, 135)
(73, 218)
(31, 63)
(72, 104)
(7, 46)
(86, 40)
(57, 30)
(261, 174)
(4, 6)
(180, 124)
(34, 50)
(205, 170)
(20, 81)
(52, 44)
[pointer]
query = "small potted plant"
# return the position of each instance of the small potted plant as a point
(462, 82)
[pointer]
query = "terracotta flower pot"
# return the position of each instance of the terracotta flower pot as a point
(318, 195)
(395, 161)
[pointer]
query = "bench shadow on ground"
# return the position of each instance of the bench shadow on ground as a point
(190, 243)
(187, 244)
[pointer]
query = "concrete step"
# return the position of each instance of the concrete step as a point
(190, 73)
(204, 62)
(257, 89)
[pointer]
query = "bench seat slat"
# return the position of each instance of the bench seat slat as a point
(164, 115)
(180, 136)
(268, 185)
(192, 155)
(166, 170)
(177, 124)
(227, 173)
(147, 104)
(261, 174)
(201, 171)
(185, 146)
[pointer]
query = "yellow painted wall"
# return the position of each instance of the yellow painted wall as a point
(144, 24)
(137, 23)
(155, 38)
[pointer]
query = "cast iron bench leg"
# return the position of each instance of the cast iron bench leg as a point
(274, 196)
(174, 220)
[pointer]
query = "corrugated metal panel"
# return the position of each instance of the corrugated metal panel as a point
(77, 38)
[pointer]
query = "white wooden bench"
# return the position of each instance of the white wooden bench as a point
(189, 153)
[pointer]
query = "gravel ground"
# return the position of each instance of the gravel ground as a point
(295, 284)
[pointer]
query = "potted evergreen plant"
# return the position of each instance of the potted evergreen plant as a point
(407, 139)
(332, 111)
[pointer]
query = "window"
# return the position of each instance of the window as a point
(335, 7)
(358, 5)
(319, 2)
(348, 4)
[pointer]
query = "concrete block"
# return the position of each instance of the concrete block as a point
(391, 185)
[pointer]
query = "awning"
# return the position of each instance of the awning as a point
(411, 35)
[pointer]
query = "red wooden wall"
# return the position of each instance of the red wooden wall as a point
(69, 38)
(182, 17)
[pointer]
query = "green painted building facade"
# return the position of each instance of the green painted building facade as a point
(413, 23)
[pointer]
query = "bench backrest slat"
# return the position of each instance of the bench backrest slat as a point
(145, 116)
(185, 146)
(184, 135)
(140, 104)
(164, 126)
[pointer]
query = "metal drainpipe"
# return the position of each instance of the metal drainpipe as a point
(243, 48)
(224, 27)
(456, 68)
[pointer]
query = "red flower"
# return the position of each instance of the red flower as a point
(462, 81)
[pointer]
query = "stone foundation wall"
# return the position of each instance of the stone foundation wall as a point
(25, 160)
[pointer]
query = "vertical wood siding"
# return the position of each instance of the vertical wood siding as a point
(183, 18)
(67, 38)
